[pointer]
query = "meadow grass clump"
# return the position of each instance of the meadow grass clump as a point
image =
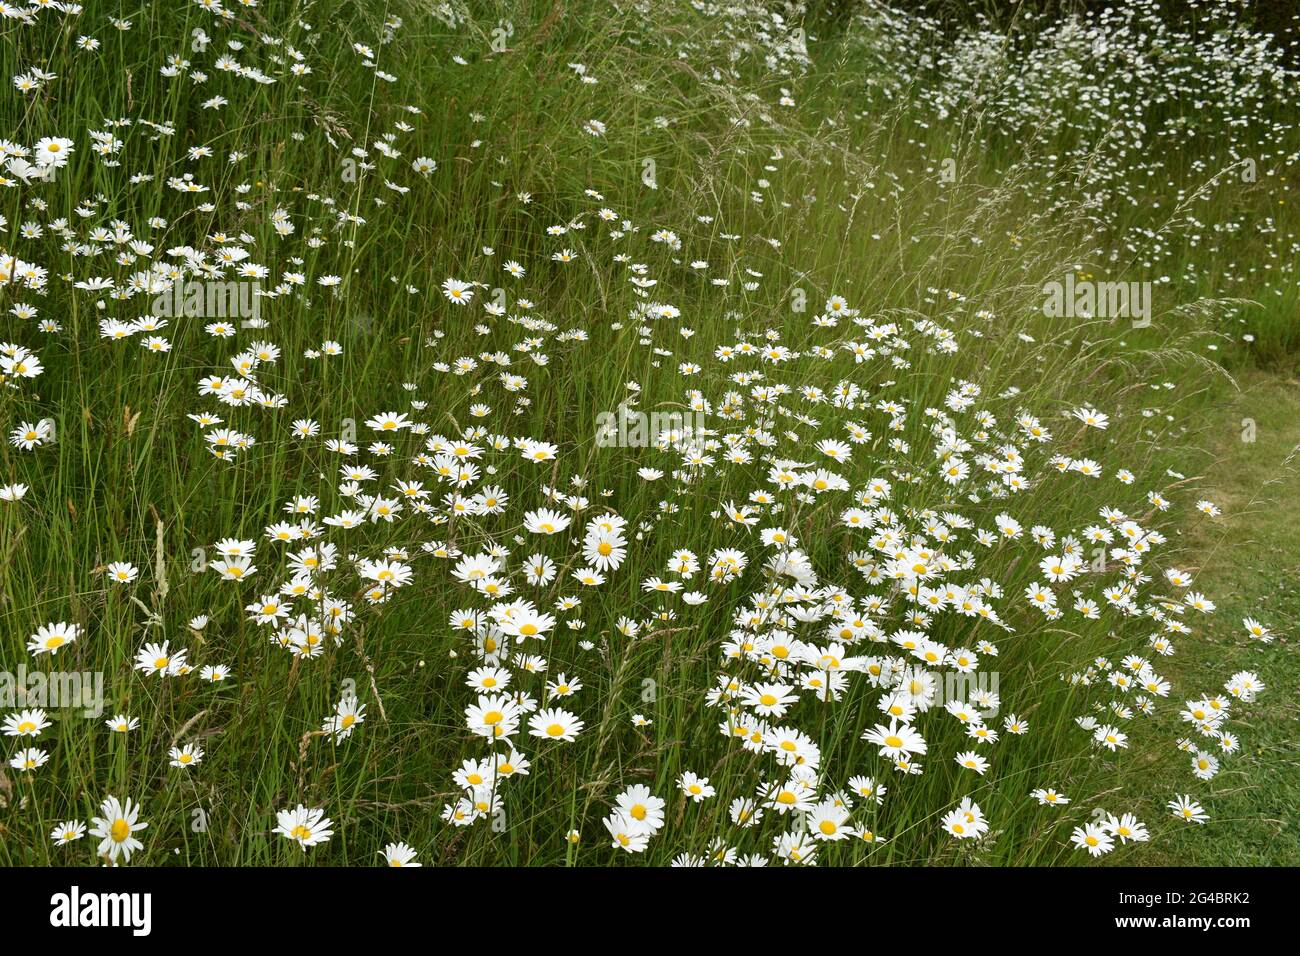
(527, 434)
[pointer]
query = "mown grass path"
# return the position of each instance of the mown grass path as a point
(1249, 558)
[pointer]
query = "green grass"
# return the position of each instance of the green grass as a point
(1249, 560)
(839, 194)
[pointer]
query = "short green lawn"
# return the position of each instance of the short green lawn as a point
(1248, 561)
